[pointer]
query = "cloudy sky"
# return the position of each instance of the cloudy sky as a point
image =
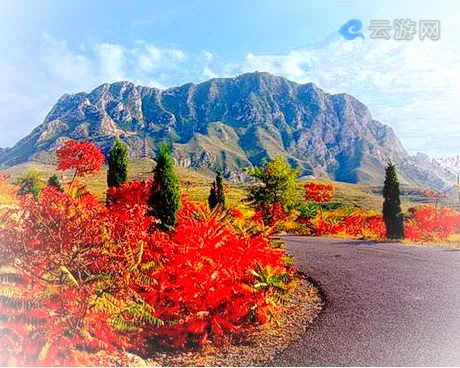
(52, 47)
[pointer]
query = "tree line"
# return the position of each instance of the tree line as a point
(274, 183)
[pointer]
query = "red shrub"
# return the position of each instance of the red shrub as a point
(92, 277)
(236, 213)
(205, 287)
(429, 223)
(376, 226)
(53, 245)
(327, 225)
(129, 195)
(354, 224)
(318, 192)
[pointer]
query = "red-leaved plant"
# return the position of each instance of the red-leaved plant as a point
(85, 158)
(429, 223)
(79, 277)
(318, 192)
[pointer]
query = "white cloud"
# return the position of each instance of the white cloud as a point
(63, 64)
(98, 63)
(176, 55)
(208, 57)
(111, 60)
(151, 58)
(291, 65)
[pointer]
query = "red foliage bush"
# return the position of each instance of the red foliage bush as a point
(327, 225)
(429, 223)
(53, 246)
(424, 223)
(236, 213)
(88, 277)
(318, 192)
(375, 226)
(357, 224)
(129, 195)
(205, 288)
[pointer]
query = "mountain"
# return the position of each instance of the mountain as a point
(228, 124)
(450, 164)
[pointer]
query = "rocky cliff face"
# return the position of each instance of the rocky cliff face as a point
(228, 124)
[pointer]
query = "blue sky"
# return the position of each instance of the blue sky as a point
(53, 47)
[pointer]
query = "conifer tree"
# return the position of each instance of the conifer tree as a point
(118, 164)
(164, 200)
(217, 193)
(212, 198)
(392, 213)
(54, 182)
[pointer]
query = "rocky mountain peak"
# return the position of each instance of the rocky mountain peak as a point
(228, 124)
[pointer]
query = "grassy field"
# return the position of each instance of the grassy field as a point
(196, 184)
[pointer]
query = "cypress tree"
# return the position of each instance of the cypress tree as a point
(392, 213)
(212, 198)
(220, 191)
(118, 164)
(217, 193)
(164, 200)
(54, 182)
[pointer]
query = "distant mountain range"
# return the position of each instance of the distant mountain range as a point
(450, 164)
(228, 124)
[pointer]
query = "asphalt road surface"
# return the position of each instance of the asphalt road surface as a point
(387, 304)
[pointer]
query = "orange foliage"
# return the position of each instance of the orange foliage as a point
(318, 192)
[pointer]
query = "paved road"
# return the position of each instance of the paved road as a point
(387, 305)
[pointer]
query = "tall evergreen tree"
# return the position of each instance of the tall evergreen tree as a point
(118, 164)
(164, 200)
(54, 182)
(212, 198)
(392, 213)
(217, 193)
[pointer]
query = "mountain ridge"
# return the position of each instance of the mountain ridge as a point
(228, 124)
